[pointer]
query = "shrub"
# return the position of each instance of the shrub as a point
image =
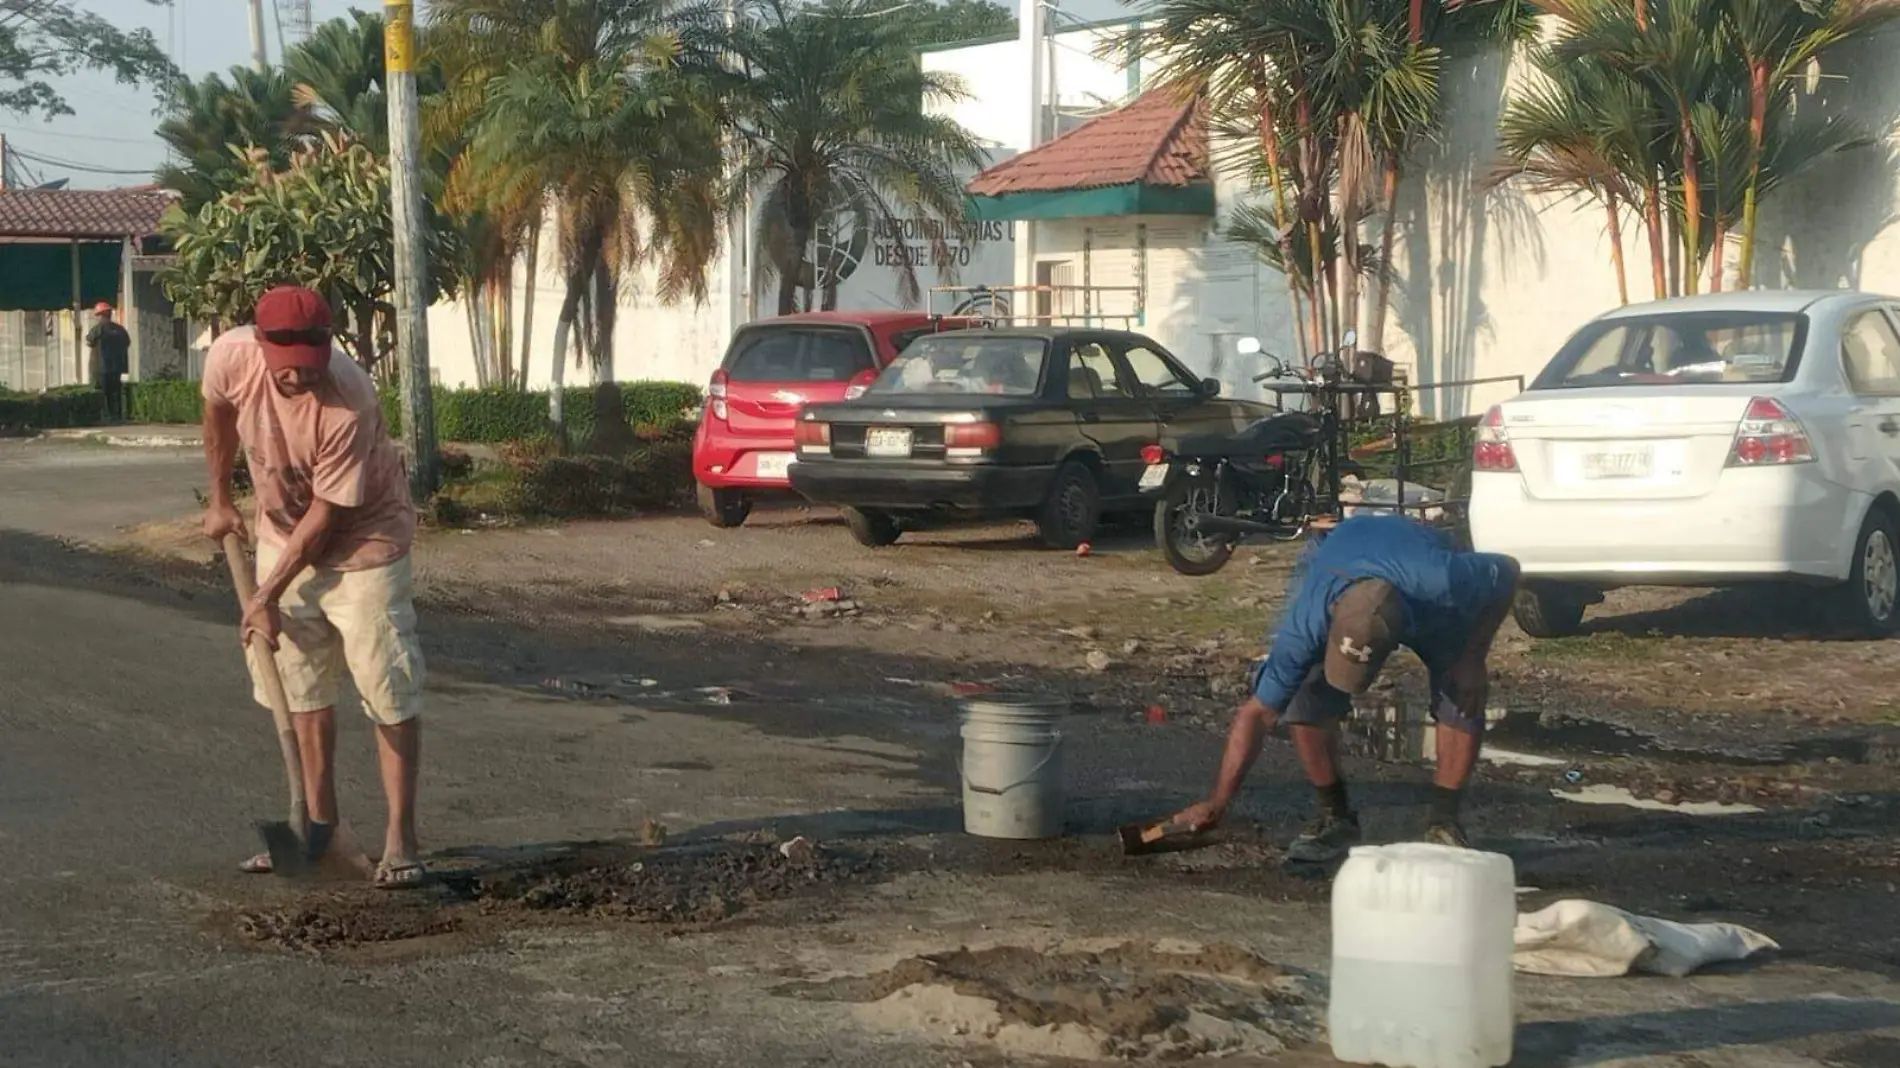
(654, 475)
(457, 464)
(492, 416)
(65, 406)
(164, 401)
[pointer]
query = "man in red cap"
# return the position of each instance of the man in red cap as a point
(334, 528)
(111, 358)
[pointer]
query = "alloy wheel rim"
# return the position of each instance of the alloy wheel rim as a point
(1880, 576)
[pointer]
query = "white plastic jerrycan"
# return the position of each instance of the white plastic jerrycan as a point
(1422, 938)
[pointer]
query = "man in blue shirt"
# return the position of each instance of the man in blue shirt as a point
(1374, 583)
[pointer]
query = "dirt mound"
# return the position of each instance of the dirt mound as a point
(674, 886)
(1132, 1001)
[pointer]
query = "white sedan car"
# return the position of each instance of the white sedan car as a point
(1705, 441)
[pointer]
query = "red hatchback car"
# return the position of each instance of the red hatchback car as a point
(743, 448)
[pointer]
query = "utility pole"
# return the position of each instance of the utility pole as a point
(259, 58)
(405, 202)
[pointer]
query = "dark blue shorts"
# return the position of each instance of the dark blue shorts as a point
(1317, 702)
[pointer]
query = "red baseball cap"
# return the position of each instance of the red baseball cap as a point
(293, 325)
(102, 307)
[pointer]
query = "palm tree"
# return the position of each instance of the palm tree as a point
(1775, 40)
(1560, 137)
(607, 108)
(831, 115)
(212, 117)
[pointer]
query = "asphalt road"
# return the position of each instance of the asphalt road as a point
(132, 762)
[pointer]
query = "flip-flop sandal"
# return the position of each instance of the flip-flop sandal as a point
(405, 876)
(257, 865)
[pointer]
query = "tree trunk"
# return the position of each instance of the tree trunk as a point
(1270, 144)
(472, 310)
(505, 319)
(1715, 255)
(1616, 251)
(1382, 299)
(612, 435)
(1673, 222)
(1691, 209)
(1415, 21)
(363, 318)
(527, 311)
(1653, 222)
(1757, 135)
(566, 324)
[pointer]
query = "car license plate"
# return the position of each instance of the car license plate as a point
(1154, 476)
(775, 464)
(1617, 463)
(885, 442)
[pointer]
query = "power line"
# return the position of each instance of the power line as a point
(65, 164)
(76, 137)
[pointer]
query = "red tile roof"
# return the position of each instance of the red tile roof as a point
(1159, 139)
(93, 213)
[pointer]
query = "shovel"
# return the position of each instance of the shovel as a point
(288, 842)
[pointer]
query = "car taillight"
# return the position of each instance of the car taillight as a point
(1769, 435)
(813, 435)
(970, 439)
(716, 392)
(1153, 454)
(1492, 451)
(858, 384)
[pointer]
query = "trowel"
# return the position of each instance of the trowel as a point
(1167, 836)
(288, 842)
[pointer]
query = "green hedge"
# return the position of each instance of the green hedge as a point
(66, 406)
(168, 401)
(497, 415)
(472, 415)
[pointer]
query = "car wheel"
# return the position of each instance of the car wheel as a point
(1869, 601)
(1547, 610)
(723, 508)
(1073, 508)
(875, 529)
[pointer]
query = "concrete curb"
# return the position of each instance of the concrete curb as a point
(129, 439)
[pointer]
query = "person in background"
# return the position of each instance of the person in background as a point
(1374, 583)
(111, 349)
(335, 588)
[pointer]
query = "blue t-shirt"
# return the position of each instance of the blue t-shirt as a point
(1445, 591)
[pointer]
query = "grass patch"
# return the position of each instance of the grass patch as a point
(1603, 645)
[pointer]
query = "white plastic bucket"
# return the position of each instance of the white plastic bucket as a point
(1012, 766)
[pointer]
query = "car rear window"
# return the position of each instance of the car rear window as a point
(960, 363)
(797, 354)
(1679, 348)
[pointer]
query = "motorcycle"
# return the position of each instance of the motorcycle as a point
(1212, 491)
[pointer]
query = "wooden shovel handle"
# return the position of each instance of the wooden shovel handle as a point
(264, 663)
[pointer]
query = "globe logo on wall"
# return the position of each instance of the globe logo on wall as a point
(983, 303)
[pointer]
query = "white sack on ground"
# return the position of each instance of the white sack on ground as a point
(1592, 940)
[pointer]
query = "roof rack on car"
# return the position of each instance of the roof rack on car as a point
(1112, 307)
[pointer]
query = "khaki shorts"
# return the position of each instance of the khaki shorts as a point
(362, 622)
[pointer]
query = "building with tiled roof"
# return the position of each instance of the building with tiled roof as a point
(114, 214)
(64, 251)
(1148, 157)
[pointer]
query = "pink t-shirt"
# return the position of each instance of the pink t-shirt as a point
(329, 443)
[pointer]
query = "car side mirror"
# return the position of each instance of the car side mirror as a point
(1349, 340)
(1248, 346)
(1210, 387)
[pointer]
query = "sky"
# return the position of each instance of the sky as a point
(113, 127)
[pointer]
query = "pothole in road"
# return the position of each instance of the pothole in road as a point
(690, 886)
(1165, 1001)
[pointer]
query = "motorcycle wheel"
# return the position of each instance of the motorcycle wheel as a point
(1188, 552)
